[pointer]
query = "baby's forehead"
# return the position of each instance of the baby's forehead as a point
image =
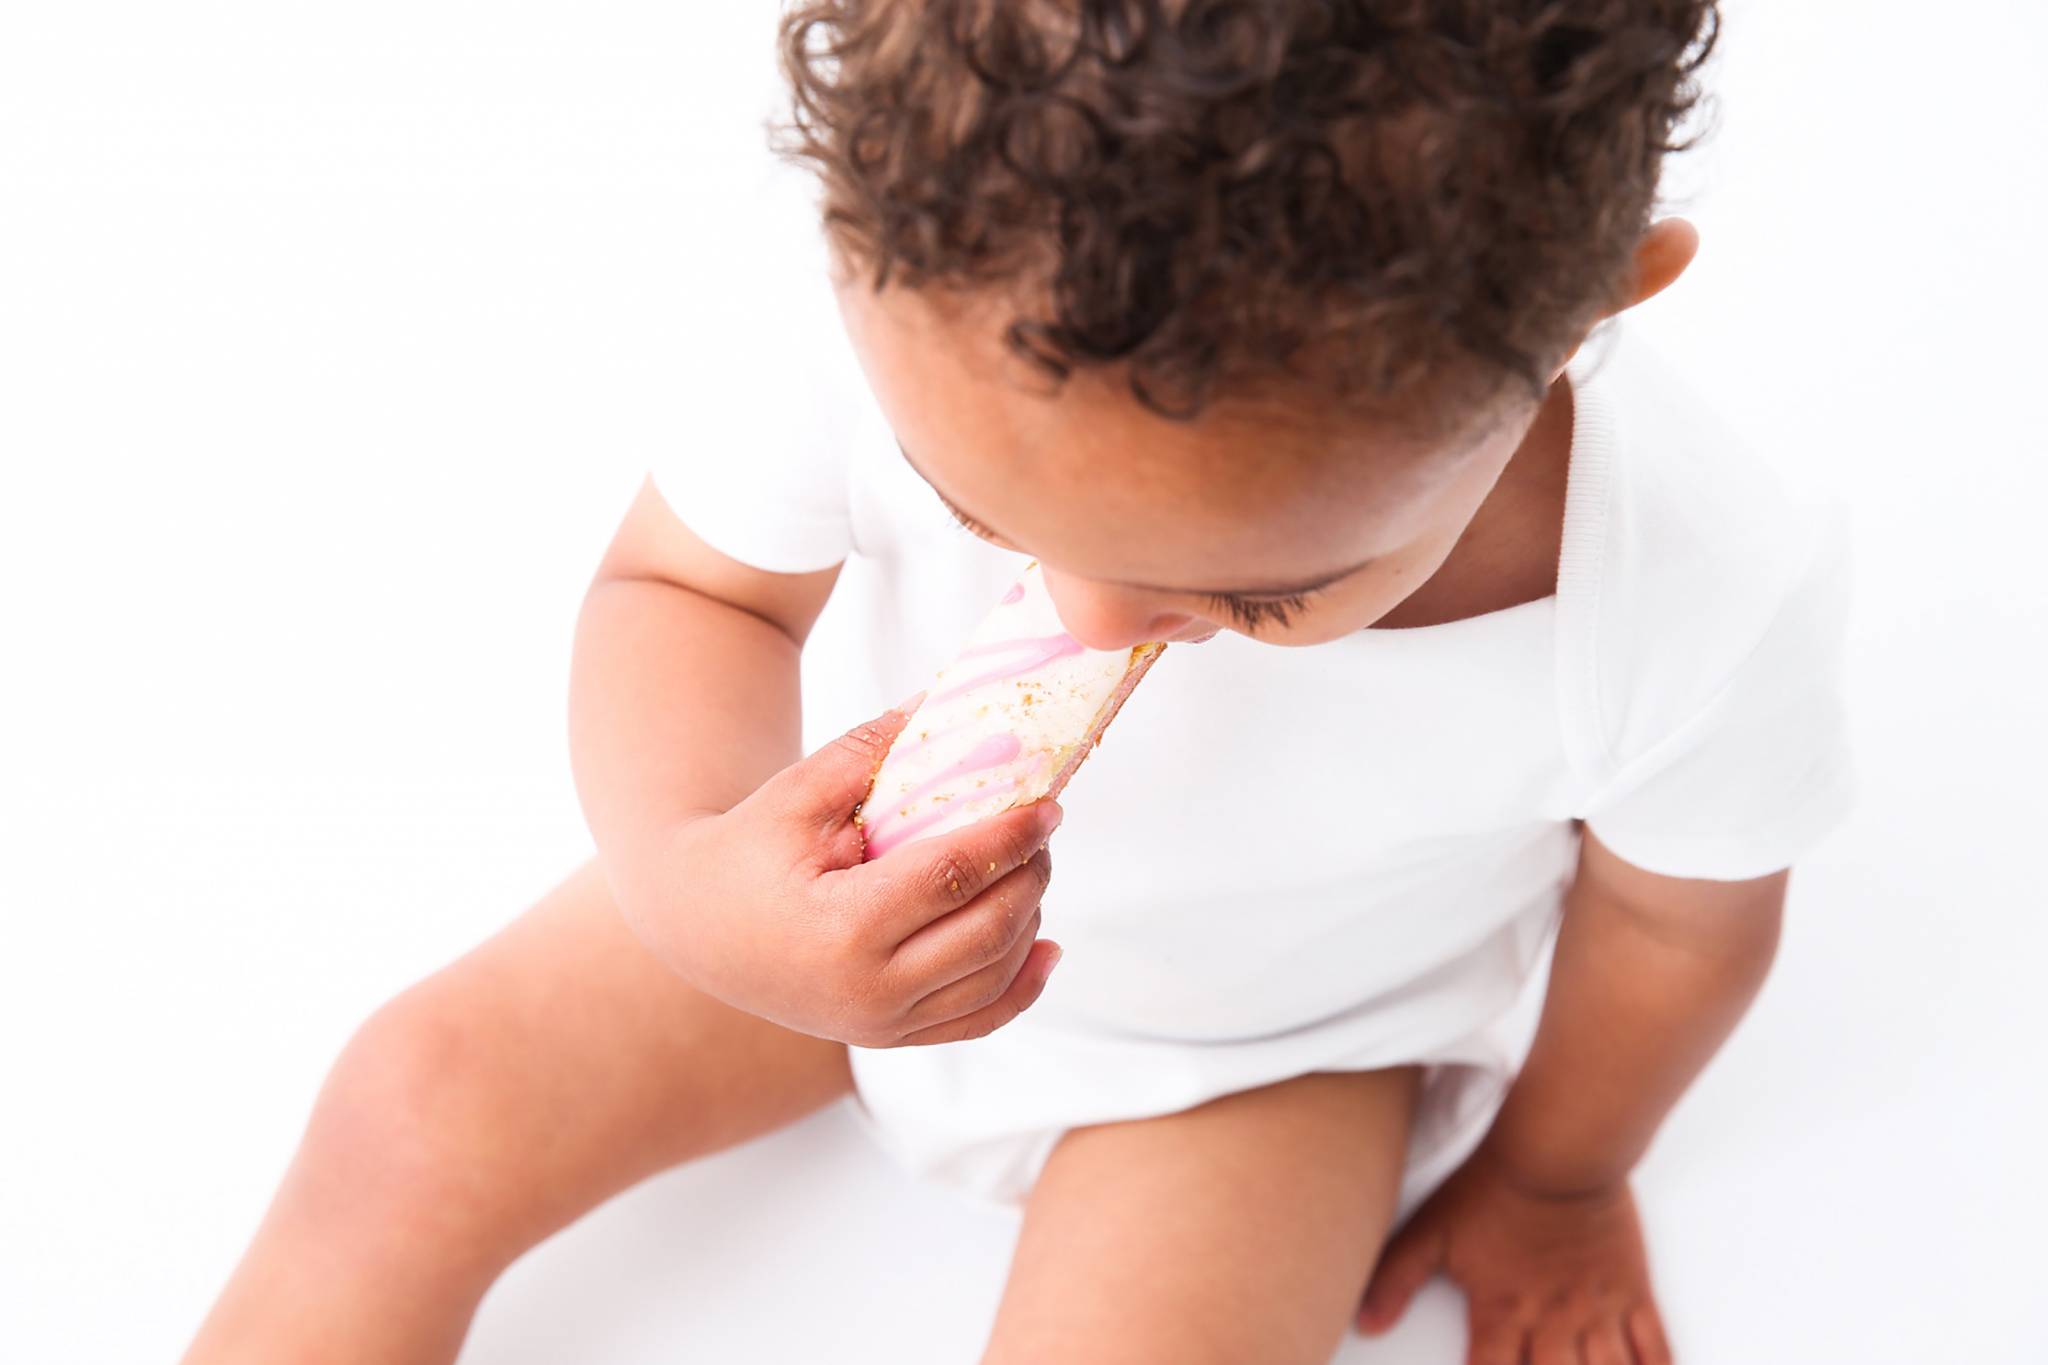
(988, 431)
(1259, 453)
(1239, 484)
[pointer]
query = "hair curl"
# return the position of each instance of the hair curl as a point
(1418, 206)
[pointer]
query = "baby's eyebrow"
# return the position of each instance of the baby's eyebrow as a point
(1309, 585)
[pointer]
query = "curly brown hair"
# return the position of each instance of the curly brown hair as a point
(1415, 206)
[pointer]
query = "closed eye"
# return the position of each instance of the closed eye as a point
(1249, 612)
(968, 522)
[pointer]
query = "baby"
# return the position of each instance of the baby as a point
(1399, 906)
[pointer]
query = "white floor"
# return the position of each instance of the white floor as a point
(330, 358)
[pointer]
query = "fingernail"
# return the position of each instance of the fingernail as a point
(1049, 817)
(911, 705)
(1053, 959)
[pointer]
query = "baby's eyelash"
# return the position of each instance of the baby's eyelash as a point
(1248, 611)
(969, 523)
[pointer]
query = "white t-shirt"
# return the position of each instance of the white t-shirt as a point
(1339, 856)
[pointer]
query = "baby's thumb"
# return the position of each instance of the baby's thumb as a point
(838, 775)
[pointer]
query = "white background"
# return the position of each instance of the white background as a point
(332, 343)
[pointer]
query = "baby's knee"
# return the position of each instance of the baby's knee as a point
(401, 1133)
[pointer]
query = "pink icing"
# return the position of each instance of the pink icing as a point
(902, 752)
(909, 829)
(1015, 594)
(889, 827)
(1047, 647)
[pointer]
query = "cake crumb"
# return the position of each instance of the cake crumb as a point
(954, 883)
(991, 867)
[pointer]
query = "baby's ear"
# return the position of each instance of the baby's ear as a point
(1662, 256)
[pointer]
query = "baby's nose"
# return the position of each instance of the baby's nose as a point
(1104, 616)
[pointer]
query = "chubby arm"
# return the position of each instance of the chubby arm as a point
(683, 698)
(1650, 976)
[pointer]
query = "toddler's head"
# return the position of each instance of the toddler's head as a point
(1201, 302)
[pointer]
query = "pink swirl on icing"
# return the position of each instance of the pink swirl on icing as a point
(1015, 594)
(890, 827)
(1047, 647)
(910, 829)
(901, 753)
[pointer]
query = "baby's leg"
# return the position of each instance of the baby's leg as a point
(1242, 1229)
(481, 1110)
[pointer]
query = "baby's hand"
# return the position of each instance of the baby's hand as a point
(1548, 1279)
(770, 908)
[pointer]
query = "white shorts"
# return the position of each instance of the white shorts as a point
(983, 1116)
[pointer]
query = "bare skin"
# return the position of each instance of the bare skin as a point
(1234, 1231)
(559, 1063)
(495, 1102)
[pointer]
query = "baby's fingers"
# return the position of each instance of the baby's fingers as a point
(1415, 1254)
(1031, 971)
(973, 936)
(1497, 1340)
(1646, 1334)
(1605, 1343)
(962, 992)
(925, 880)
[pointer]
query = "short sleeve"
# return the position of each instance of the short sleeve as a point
(768, 389)
(1765, 769)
